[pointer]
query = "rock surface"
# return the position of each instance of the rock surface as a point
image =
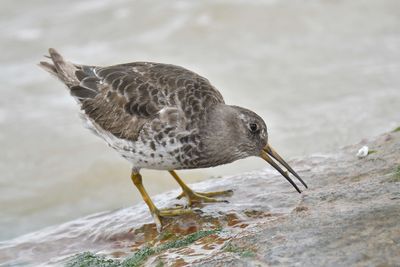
(350, 215)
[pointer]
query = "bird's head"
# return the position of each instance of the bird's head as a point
(233, 133)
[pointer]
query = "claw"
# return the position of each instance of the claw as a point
(198, 197)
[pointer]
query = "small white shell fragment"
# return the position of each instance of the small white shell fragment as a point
(363, 152)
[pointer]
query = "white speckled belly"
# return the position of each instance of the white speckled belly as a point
(142, 156)
(140, 153)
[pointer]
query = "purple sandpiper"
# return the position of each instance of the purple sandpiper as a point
(165, 117)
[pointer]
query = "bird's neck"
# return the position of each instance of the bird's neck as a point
(219, 144)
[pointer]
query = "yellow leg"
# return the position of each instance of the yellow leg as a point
(197, 197)
(155, 212)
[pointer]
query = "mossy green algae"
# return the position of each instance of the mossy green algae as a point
(88, 259)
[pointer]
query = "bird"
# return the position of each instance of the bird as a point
(165, 117)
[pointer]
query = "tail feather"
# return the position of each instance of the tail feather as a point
(48, 67)
(80, 79)
(62, 69)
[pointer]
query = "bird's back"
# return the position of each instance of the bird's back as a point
(122, 98)
(151, 113)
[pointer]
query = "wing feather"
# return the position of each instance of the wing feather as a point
(122, 98)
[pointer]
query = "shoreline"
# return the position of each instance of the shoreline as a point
(348, 216)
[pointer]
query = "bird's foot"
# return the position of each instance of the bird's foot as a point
(168, 212)
(206, 197)
(174, 212)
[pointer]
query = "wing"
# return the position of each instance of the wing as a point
(131, 95)
(122, 98)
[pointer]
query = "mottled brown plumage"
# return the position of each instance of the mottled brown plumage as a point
(162, 116)
(121, 98)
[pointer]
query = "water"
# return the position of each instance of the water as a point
(322, 74)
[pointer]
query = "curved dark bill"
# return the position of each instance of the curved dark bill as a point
(276, 156)
(265, 156)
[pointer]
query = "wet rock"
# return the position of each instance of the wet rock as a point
(349, 216)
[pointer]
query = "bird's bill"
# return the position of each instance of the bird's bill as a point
(269, 151)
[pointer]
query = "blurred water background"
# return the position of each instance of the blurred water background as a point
(322, 73)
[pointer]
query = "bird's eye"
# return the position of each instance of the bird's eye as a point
(253, 127)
